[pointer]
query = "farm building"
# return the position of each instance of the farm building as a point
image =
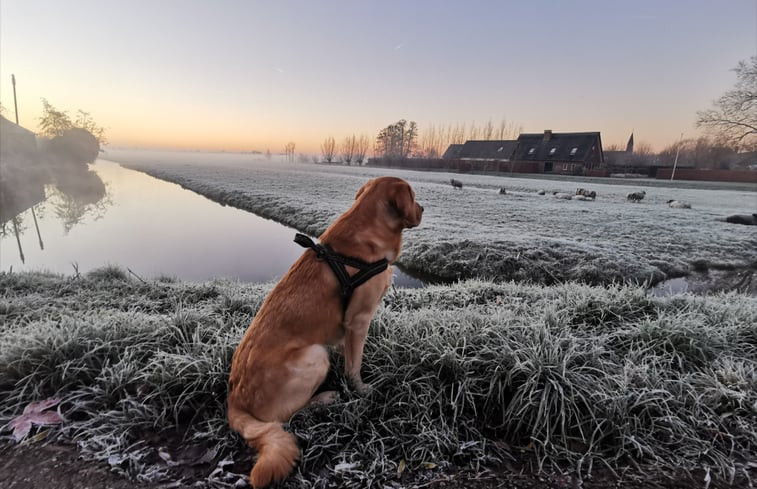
(569, 153)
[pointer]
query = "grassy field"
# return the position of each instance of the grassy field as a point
(465, 377)
(477, 233)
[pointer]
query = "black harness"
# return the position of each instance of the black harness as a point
(337, 262)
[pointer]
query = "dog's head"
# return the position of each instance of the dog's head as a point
(397, 196)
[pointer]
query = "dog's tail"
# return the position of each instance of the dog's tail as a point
(277, 449)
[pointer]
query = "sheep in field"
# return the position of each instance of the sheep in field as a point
(456, 183)
(586, 193)
(744, 219)
(636, 196)
(677, 204)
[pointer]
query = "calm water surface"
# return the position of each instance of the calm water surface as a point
(153, 227)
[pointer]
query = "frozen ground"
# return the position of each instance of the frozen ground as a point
(510, 383)
(476, 232)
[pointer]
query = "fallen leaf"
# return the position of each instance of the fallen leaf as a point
(401, 468)
(35, 413)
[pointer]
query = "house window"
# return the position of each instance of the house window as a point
(553, 151)
(531, 151)
(574, 151)
(565, 167)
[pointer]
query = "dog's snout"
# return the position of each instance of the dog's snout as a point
(420, 207)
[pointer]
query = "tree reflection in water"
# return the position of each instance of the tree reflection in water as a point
(76, 196)
(37, 173)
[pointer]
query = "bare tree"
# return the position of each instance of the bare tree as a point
(328, 148)
(361, 149)
(643, 148)
(734, 118)
(488, 131)
(289, 151)
(458, 134)
(397, 141)
(508, 130)
(349, 146)
(473, 131)
(431, 142)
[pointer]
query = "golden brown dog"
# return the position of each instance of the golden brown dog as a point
(282, 358)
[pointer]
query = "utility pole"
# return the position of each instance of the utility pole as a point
(675, 162)
(15, 104)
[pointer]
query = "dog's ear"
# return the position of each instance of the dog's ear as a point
(363, 189)
(403, 204)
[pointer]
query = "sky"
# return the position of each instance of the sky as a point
(255, 75)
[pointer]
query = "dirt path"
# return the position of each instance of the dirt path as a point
(41, 466)
(59, 466)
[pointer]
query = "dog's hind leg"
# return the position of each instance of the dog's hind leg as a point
(304, 371)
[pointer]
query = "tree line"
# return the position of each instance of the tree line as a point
(403, 139)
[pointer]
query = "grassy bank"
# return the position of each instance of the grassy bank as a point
(465, 377)
(478, 233)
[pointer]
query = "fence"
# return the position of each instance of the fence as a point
(742, 176)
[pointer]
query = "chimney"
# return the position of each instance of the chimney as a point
(547, 134)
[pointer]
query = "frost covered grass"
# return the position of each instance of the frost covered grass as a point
(464, 377)
(478, 233)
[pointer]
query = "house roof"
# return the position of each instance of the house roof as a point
(562, 146)
(488, 150)
(453, 152)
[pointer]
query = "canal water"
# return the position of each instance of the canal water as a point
(152, 227)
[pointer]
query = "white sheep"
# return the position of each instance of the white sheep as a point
(677, 204)
(586, 193)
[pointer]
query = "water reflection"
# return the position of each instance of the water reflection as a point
(76, 196)
(60, 215)
(156, 229)
(37, 174)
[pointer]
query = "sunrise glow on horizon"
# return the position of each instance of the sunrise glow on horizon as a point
(253, 76)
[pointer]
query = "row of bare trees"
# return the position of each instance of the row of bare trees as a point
(702, 152)
(353, 149)
(403, 139)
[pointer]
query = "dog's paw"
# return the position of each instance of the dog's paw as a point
(324, 398)
(361, 387)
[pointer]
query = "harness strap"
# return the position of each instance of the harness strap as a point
(337, 262)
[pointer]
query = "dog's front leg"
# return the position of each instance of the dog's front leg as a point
(358, 318)
(356, 331)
